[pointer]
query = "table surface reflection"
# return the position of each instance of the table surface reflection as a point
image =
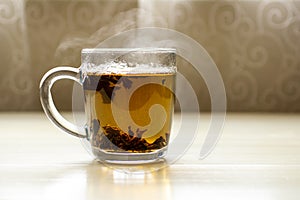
(257, 157)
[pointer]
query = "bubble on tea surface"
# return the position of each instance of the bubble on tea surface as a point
(128, 68)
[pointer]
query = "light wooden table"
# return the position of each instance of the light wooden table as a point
(257, 157)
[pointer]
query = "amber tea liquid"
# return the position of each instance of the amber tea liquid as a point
(129, 113)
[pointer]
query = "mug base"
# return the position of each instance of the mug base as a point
(128, 157)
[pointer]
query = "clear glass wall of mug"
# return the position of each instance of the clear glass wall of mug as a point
(129, 102)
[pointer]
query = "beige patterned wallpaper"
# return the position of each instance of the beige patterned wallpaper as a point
(16, 86)
(255, 44)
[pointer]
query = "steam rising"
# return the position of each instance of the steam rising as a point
(68, 52)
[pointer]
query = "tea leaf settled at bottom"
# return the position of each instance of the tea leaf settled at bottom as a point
(114, 139)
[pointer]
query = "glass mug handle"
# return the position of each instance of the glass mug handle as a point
(49, 108)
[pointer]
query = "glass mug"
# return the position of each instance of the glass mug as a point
(128, 101)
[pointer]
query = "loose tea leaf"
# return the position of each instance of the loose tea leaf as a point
(126, 82)
(114, 139)
(105, 84)
(95, 125)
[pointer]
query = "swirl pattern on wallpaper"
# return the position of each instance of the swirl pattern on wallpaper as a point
(255, 44)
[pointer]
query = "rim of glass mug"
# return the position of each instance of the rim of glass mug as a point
(121, 50)
(128, 60)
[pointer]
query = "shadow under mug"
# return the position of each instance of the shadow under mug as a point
(128, 99)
